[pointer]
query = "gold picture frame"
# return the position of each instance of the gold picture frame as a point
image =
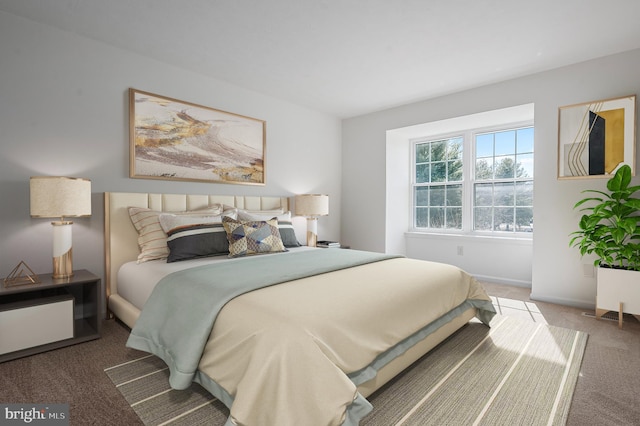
(596, 138)
(177, 140)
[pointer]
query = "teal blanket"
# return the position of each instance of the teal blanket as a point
(177, 320)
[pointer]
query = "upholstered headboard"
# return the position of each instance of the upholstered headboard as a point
(121, 238)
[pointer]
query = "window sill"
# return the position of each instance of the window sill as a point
(520, 239)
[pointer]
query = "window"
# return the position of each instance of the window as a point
(438, 190)
(503, 184)
(478, 181)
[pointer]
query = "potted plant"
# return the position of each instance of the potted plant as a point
(610, 229)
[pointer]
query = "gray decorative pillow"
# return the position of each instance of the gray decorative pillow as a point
(194, 241)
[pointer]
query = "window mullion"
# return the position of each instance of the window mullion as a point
(468, 181)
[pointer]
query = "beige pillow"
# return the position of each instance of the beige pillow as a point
(152, 240)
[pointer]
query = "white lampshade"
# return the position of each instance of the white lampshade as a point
(312, 205)
(58, 196)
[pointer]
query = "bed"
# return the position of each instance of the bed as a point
(300, 336)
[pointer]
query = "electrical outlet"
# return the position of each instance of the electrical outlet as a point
(460, 251)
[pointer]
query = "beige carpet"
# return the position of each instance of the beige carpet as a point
(517, 372)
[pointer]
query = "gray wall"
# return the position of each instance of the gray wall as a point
(64, 111)
(558, 273)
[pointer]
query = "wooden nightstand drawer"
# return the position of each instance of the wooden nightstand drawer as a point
(36, 323)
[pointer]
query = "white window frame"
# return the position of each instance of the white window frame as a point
(468, 173)
(414, 184)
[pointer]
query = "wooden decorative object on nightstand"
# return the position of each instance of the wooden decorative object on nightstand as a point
(50, 314)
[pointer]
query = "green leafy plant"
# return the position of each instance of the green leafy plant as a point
(611, 228)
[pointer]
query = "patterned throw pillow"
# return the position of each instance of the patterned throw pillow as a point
(285, 226)
(152, 240)
(253, 237)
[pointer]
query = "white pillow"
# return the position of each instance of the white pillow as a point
(169, 221)
(262, 215)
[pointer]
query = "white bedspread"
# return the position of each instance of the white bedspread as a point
(293, 353)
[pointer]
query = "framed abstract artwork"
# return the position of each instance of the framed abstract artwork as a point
(177, 140)
(596, 138)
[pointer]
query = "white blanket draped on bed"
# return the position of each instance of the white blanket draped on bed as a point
(289, 354)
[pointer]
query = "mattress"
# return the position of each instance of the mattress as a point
(137, 280)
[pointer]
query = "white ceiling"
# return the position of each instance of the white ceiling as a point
(351, 57)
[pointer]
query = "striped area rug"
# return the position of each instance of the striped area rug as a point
(516, 372)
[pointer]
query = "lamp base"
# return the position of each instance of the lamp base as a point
(63, 265)
(312, 231)
(62, 250)
(312, 239)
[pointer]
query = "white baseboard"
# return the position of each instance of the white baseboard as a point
(507, 281)
(582, 304)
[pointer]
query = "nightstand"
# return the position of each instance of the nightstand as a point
(51, 314)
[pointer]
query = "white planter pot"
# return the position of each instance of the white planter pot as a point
(618, 290)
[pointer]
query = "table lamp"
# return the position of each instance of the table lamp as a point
(312, 206)
(58, 196)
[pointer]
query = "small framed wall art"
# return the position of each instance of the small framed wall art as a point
(177, 140)
(596, 138)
